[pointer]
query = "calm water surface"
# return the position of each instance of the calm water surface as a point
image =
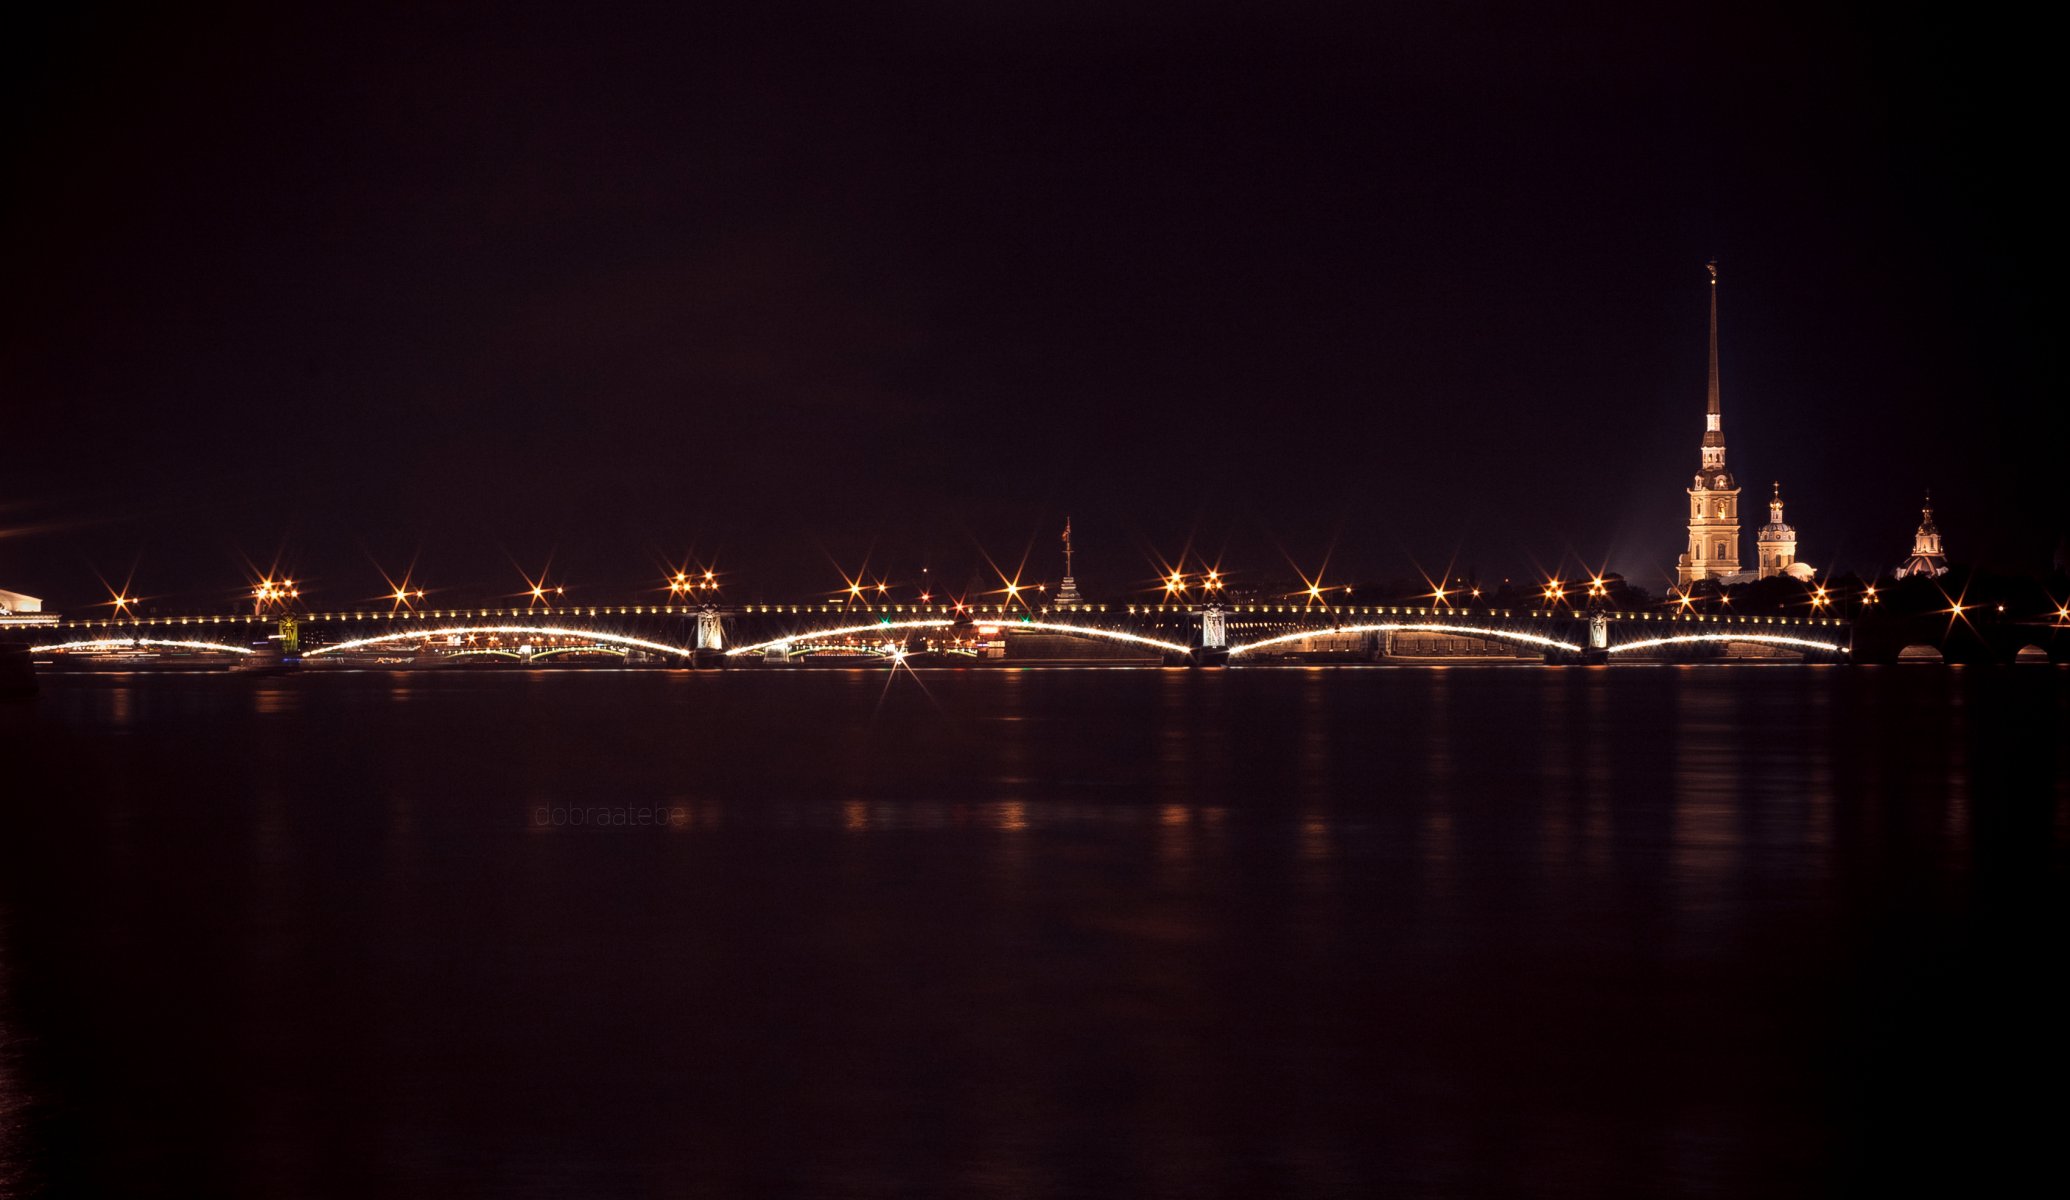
(1642, 931)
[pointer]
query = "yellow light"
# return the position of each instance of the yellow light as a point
(880, 587)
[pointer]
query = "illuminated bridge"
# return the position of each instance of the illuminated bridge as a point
(779, 634)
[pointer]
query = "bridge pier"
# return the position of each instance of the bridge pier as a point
(1598, 651)
(1213, 650)
(709, 650)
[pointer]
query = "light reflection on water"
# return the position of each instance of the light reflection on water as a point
(1621, 931)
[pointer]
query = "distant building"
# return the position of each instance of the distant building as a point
(1714, 498)
(1775, 544)
(1927, 558)
(17, 609)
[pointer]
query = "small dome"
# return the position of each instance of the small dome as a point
(1801, 572)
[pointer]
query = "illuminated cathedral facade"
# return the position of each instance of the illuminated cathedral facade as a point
(1713, 552)
(1927, 557)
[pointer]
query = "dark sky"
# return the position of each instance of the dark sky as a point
(619, 286)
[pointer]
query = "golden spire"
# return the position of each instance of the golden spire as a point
(1712, 434)
(1068, 594)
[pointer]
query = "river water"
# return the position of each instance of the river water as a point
(1631, 931)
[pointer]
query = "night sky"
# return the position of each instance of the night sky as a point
(623, 287)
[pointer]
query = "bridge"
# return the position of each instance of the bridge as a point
(781, 634)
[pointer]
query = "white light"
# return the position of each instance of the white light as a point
(114, 643)
(1115, 634)
(1774, 639)
(786, 642)
(1397, 627)
(615, 639)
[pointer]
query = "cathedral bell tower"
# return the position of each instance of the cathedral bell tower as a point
(1714, 499)
(1776, 542)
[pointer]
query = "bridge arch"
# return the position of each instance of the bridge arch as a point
(623, 641)
(133, 642)
(1919, 652)
(563, 651)
(1766, 639)
(812, 635)
(1116, 635)
(1480, 631)
(1004, 625)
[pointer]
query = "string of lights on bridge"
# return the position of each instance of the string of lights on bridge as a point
(1211, 585)
(1178, 595)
